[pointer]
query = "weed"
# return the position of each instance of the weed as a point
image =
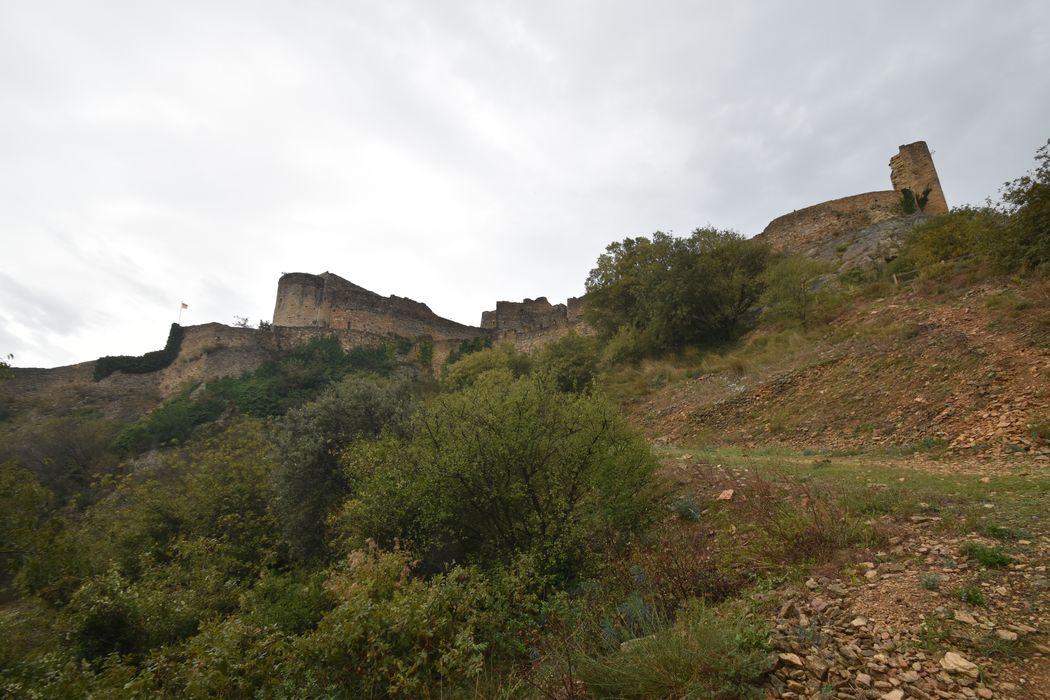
(709, 652)
(930, 582)
(970, 594)
(994, 646)
(686, 508)
(934, 633)
(989, 557)
(1002, 533)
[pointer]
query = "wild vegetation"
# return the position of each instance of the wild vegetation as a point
(347, 524)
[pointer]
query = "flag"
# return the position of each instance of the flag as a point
(184, 305)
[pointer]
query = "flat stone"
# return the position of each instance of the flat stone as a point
(792, 659)
(963, 616)
(863, 679)
(897, 694)
(957, 663)
(1006, 635)
(859, 621)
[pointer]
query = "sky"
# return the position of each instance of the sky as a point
(457, 153)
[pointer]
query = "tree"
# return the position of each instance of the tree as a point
(672, 292)
(501, 468)
(1026, 201)
(310, 440)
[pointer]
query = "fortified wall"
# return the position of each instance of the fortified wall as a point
(329, 301)
(805, 230)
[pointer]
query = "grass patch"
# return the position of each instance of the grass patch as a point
(988, 557)
(969, 593)
(930, 582)
(999, 532)
(709, 652)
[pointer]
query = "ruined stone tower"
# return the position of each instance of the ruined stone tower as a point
(912, 168)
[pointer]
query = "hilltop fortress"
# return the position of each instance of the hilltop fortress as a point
(858, 230)
(327, 303)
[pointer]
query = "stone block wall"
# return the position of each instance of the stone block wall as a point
(805, 228)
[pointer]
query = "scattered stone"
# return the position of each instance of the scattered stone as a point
(1006, 635)
(859, 621)
(897, 694)
(957, 663)
(863, 679)
(726, 495)
(792, 659)
(963, 616)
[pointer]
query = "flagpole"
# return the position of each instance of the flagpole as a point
(180, 315)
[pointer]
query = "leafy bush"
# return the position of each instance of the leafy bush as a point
(468, 346)
(673, 291)
(465, 371)
(1025, 242)
(961, 232)
(310, 441)
(793, 290)
(142, 364)
(571, 361)
(503, 467)
(171, 423)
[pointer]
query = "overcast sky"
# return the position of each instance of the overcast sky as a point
(153, 153)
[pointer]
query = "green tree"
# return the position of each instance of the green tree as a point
(1026, 201)
(674, 292)
(310, 440)
(504, 467)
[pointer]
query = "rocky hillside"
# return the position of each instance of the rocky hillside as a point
(967, 371)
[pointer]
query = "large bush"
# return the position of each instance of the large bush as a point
(503, 467)
(1026, 239)
(310, 440)
(674, 292)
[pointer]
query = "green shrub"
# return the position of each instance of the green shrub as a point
(1025, 241)
(675, 292)
(502, 467)
(709, 652)
(171, 423)
(468, 346)
(465, 370)
(142, 364)
(571, 361)
(310, 441)
(930, 582)
(969, 594)
(792, 291)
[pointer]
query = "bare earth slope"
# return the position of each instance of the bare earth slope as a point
(971, 372)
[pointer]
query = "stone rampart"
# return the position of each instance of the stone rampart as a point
(329, 301)
(807, 230)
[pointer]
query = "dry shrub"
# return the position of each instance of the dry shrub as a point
(798, 521)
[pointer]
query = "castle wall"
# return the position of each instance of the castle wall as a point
(329, 301)
(530, 314)
(913, 168)
(806, 230)
(803, 229)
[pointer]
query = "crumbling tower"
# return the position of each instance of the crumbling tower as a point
(912, 168)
